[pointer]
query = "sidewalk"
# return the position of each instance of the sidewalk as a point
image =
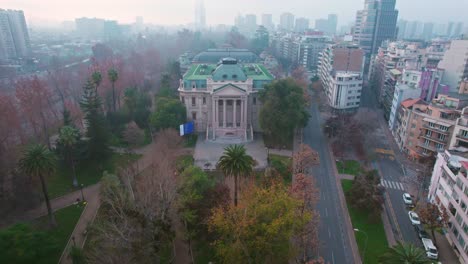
(446, 253)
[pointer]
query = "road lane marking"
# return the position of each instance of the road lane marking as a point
(326, 212)
(333, 258)
(329, 233)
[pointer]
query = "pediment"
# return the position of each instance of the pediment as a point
(229, 89)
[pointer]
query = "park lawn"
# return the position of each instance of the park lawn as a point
(350, 167)
(66, 220)
(283, 165)
(377, 244)
(88, 173)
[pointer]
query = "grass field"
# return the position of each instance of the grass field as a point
(88, 173)
(377, 241)
(350, 167)
(66, 220)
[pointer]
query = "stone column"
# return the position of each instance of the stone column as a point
(246, 117)
(224, 113)
(235, 114)
(242, 113)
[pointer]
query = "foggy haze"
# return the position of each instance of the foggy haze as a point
(176, 12)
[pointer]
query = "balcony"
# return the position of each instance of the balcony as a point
(437, 140)
(428, 147)
(461, 137)
(436, 129)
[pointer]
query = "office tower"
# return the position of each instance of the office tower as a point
(287, 21)
(412, 30)
(427, 31)
(402, 26)
(449, 31)
(321, 25)
(302, 24)
(458, 29)
(267, 21)
(250, 23)
(14, 36)
(200, 15)
(374, 24)
(239, 21)
(332, 24)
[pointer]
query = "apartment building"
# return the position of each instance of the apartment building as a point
(340, 71)
(403, 122)
(449, 190)
(459, 140)
(430, 125)
(455, 64)
(302, 49)
(14, 35)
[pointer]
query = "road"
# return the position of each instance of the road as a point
(393, 177)
(333, 236)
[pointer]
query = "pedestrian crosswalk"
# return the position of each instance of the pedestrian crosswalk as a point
(392, 185)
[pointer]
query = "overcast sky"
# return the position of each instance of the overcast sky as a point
(224, 11)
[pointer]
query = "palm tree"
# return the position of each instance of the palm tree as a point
(113, 76)
(39, 161)
(404, 254)
(234, 163)
(68, 137)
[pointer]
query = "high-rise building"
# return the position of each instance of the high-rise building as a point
(455, 64)
(450, 28)
(267, 21)
(374, 24)
(341, 74)
(302, 24)
(332, 24)
(287, 21)
(200, 15)
(427, 31)
(401, 27)
(250, 23)
(321, 25)
(14, 36)
(458, 29)
(328, 25)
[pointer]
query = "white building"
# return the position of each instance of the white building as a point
(402, 92)
(14, 35)
(286, 21)
(449, 190)
(340, 71)
(455, 64)
(222, 99)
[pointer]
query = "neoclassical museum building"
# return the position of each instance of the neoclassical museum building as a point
(222, 99)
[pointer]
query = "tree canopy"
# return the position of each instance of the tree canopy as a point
(260, 228)
(283, 110)
(22, 244)
(404, 253)
(366, 194)
(170, 113)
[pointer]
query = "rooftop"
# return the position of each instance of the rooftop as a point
(409, 102)
(215, 55)
(228, 71)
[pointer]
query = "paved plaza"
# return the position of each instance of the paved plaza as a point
(207, 153)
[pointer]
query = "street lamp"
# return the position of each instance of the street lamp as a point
(81, 189)
(365, 245)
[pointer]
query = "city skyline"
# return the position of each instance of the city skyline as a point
(181, 12)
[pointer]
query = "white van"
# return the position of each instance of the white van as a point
(431, 250)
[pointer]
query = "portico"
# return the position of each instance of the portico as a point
(230, 116)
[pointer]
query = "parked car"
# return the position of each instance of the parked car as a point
(421, 232)
(408, 200)
(431, 250)
(414, 218)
